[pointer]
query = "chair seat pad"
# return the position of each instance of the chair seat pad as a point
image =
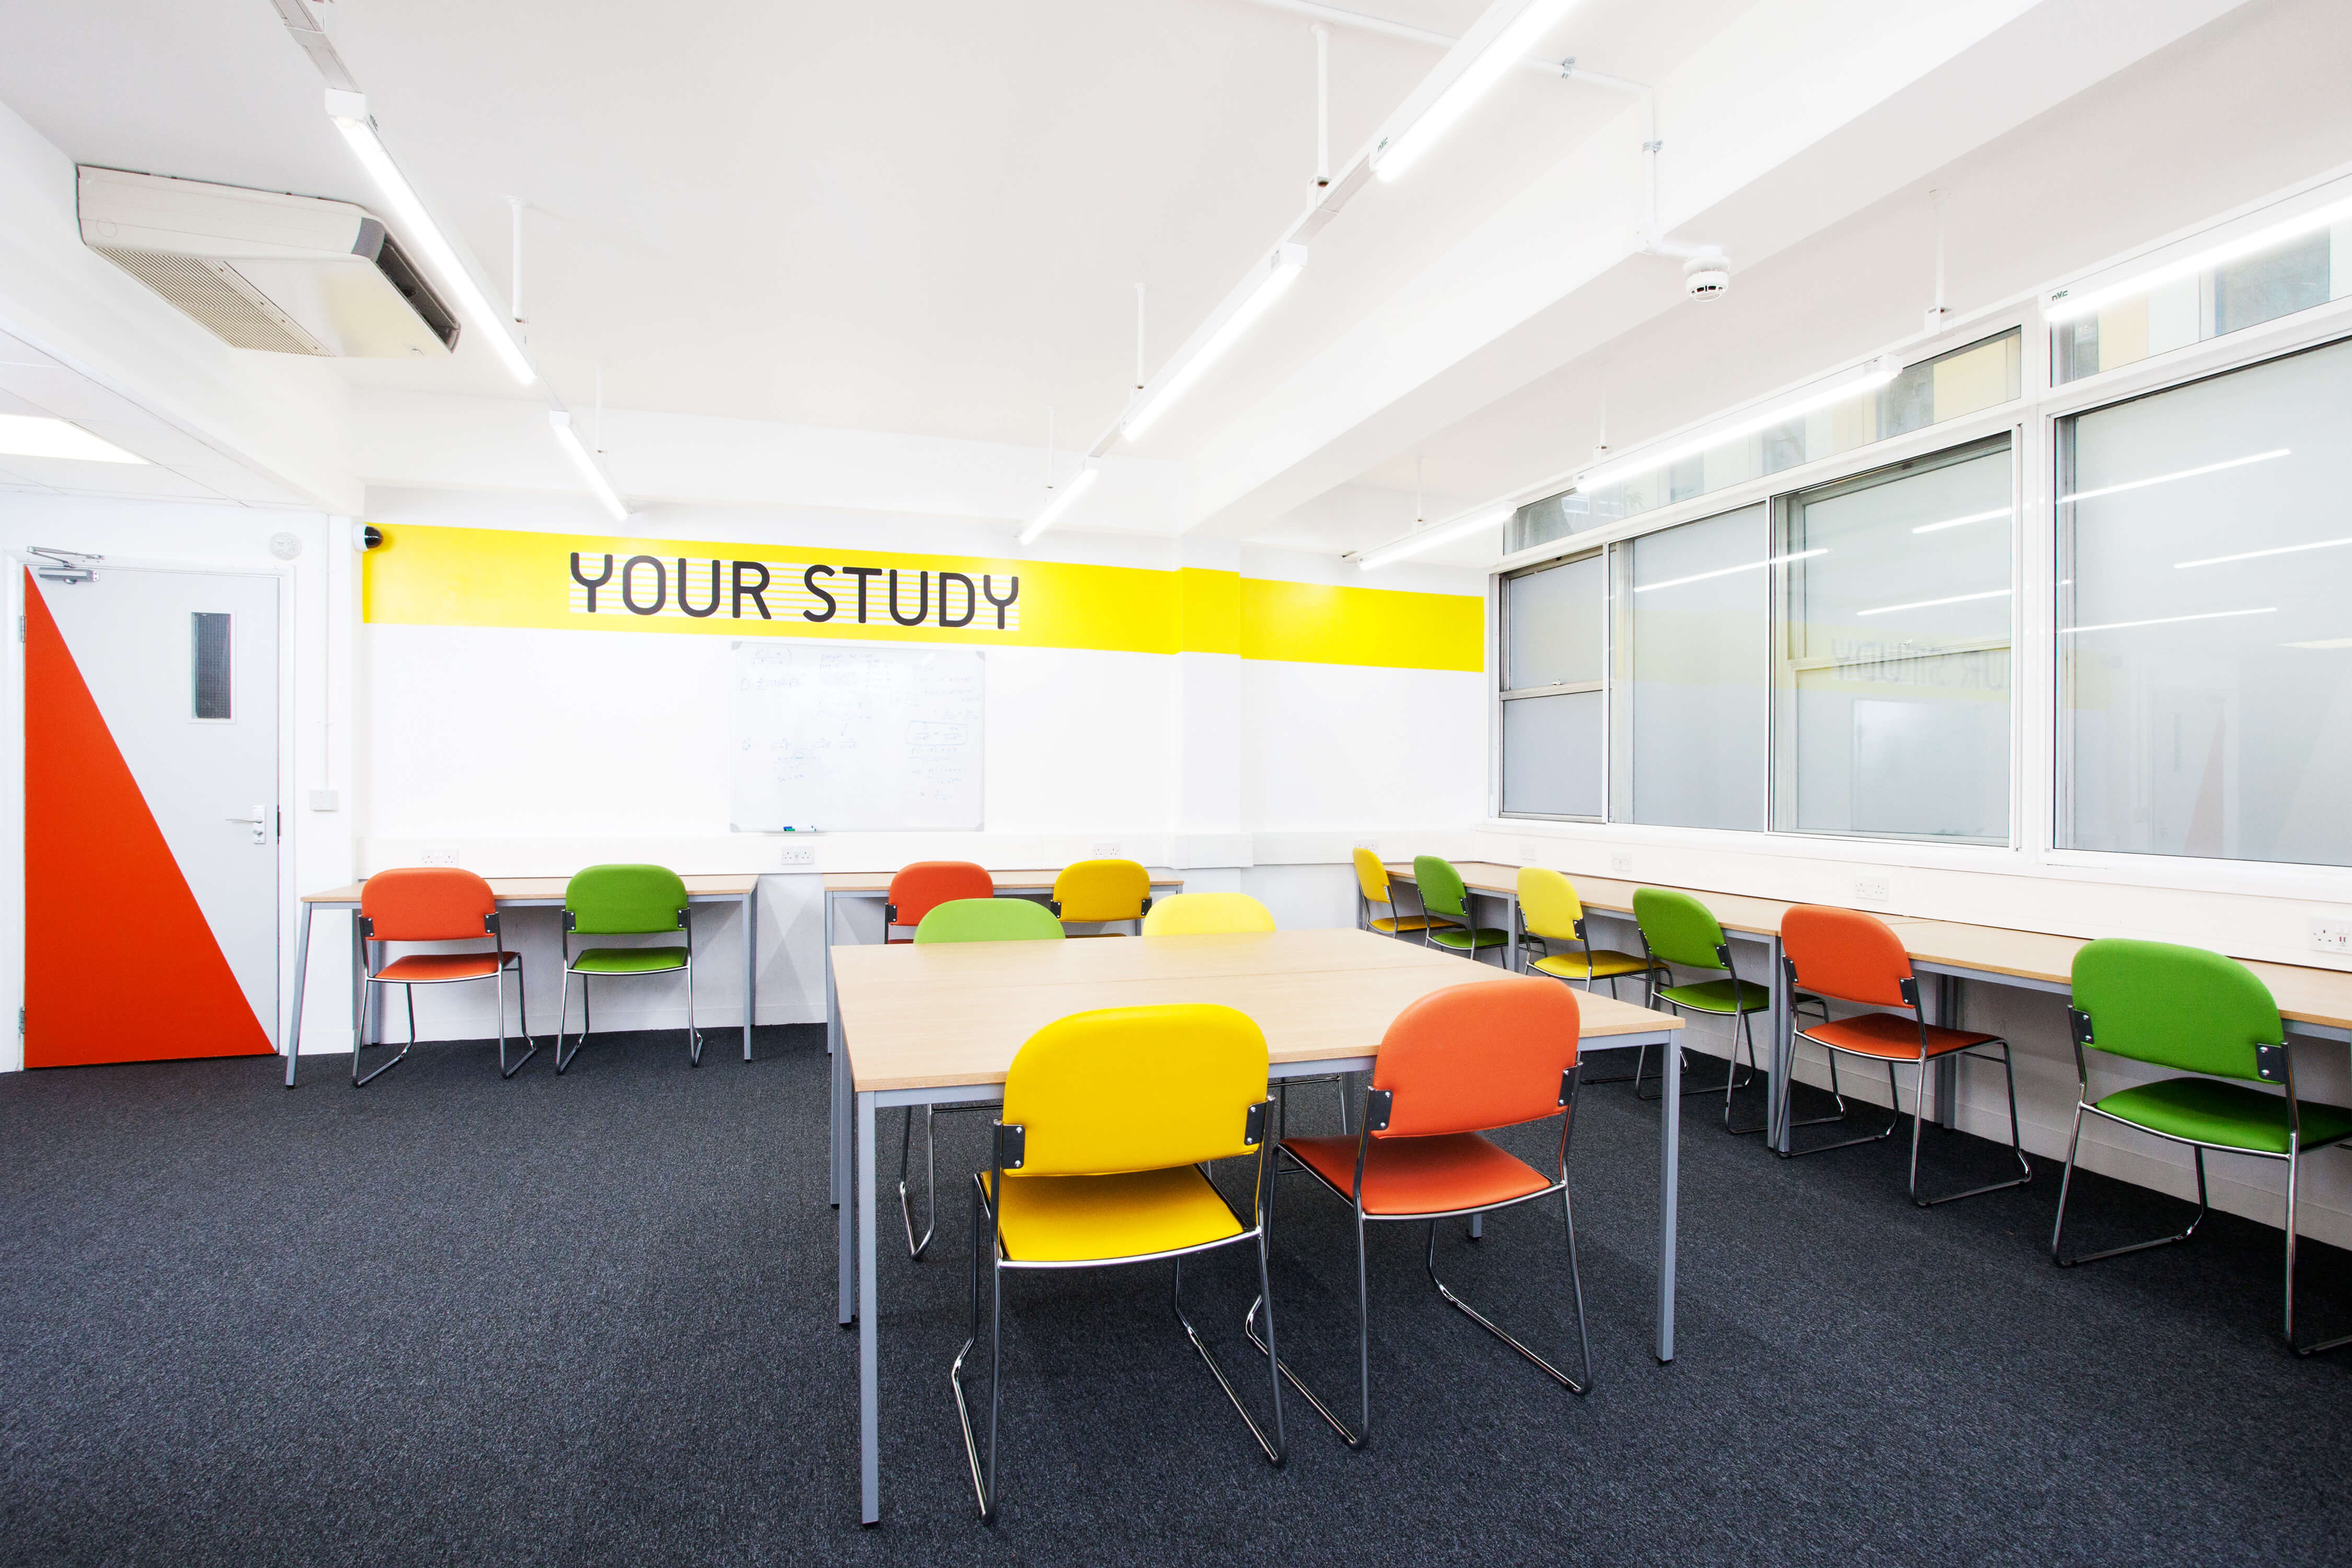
(1460, 938)
(2233, 1115)
(627, 960)
(1080, 1219)
(424, 968)
(1422, 1176)
(1606, 961)
(1411, 922)
(1718, 996)
(1891, 1036)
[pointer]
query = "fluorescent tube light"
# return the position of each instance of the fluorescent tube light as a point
(1961, 522)
(1728, 570)
(1265, 283)
(2259, 554)
(1495, 44)
(2322, 643)
(1060, 503)
(348, 112)
(1931, 604)
(586, 461)
(2065, 305)
(1445, 533)
(1868, 378)
(2167, 479)
(38, 435)
(2168, 620)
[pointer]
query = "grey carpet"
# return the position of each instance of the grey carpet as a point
(587, 1320)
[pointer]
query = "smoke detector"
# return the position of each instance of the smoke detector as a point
(1706, 277)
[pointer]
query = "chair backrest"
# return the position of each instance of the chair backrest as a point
(1847, 954)
(2180, 1007)
(1138, 1088)
(1203, 914)
(1102, 890)
(920, 888)
(1442, 891)
(1493, 1053)
(1548, 904)
(426, 903)
(624, 901)
(1372, 876)
(1678, 928)
(989, 920)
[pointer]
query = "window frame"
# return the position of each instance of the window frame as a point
(1503, 693)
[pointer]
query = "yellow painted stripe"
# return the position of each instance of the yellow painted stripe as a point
(495, 577)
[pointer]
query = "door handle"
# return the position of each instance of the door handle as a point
(258, 822)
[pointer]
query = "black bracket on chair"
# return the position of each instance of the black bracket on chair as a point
(889, 916)
(1789, 971)
(1579, 929)
(2078, 1023)
(367, 927)
(570, 921)
(1254, 1124)
(681, 918)
(1054, 905)
(2270, 1063)
(1567, 1082)
(490, 923)
(1377, 1107)
(1147, 905)
(1723, 954)
(1012, 1145)
(1911, 992)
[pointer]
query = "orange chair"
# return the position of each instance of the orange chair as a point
(1456, 1064)
(436, 903)
(920, 888)
(1853, 957)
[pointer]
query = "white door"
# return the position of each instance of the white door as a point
(182, 669)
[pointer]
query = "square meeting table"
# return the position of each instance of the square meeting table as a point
(940, 1023)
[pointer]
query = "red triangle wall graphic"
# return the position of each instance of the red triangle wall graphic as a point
(120, 963)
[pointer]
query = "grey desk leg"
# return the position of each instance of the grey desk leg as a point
(1670, 1143)
(1511, 932)
(750, 964)
(1783, 1054)
(837, 1116)
(359, 986)
(869, 1396)
(302, 972)
(846, 1217)
(1948, 1070)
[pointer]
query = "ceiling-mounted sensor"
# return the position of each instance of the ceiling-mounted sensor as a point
(1706, 277)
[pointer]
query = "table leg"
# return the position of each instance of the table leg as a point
(750, 964)
(869, 1399)
(845, 1215)
(359, 987)
(837, 1115)
(1948, 1070)
(302, 972)
(1777, 1093)
(1670, 1142)
(1511, 932)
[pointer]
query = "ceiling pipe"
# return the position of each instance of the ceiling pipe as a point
(1388, 29)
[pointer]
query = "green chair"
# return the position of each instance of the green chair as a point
(624, 901)
(960, 919)
(2197, 1012)
(1443, 894)
(1678, 930)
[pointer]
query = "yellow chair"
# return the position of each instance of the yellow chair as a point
(1094, 891)
(1374, 879)
(1206, 914)
(1550, 915)
(1109, 1120)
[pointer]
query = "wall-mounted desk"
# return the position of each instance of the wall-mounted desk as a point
(942, 1024)
(843, 887)
(520, 893)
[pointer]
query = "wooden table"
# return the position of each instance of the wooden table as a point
(941, 1023)
(874, 887)
(519, 892)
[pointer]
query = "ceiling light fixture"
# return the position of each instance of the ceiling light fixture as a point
(38, 435)
(1728, 570)
(2259, 554)
(586, 461)
(1961, 522)
(1060, 504)
(1250, 300)
(1445, 533)
(2167, 479)
(1495, 44)
(349, 110)
(2168, 620)
(2065, 305)
(1865, 378)
(1931, 604)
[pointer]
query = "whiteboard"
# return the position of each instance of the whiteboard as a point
(841, 739)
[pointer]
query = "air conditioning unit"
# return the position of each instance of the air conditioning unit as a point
(291, 275)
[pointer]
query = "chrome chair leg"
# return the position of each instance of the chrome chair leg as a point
(693, 1034)
(522, 1005)
(1270, 1448)
(359, 1039)
(915, 1245)
(1571, 1384)
(2066, 1185)
(983, 1474)
(1249, 1327)
(2025, 1176)
(563, 1003)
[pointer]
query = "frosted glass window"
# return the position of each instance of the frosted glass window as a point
(1556, 624)
(2205, 618)
(1691, 703)
(1551, 755)
(1891, 659)
(2297, 274)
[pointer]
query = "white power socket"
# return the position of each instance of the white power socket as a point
(437, 857)
(2331, 934)
(799, 856)
(1106, 851)
(1529, 854)
(1873, 889)
(1621, 863)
